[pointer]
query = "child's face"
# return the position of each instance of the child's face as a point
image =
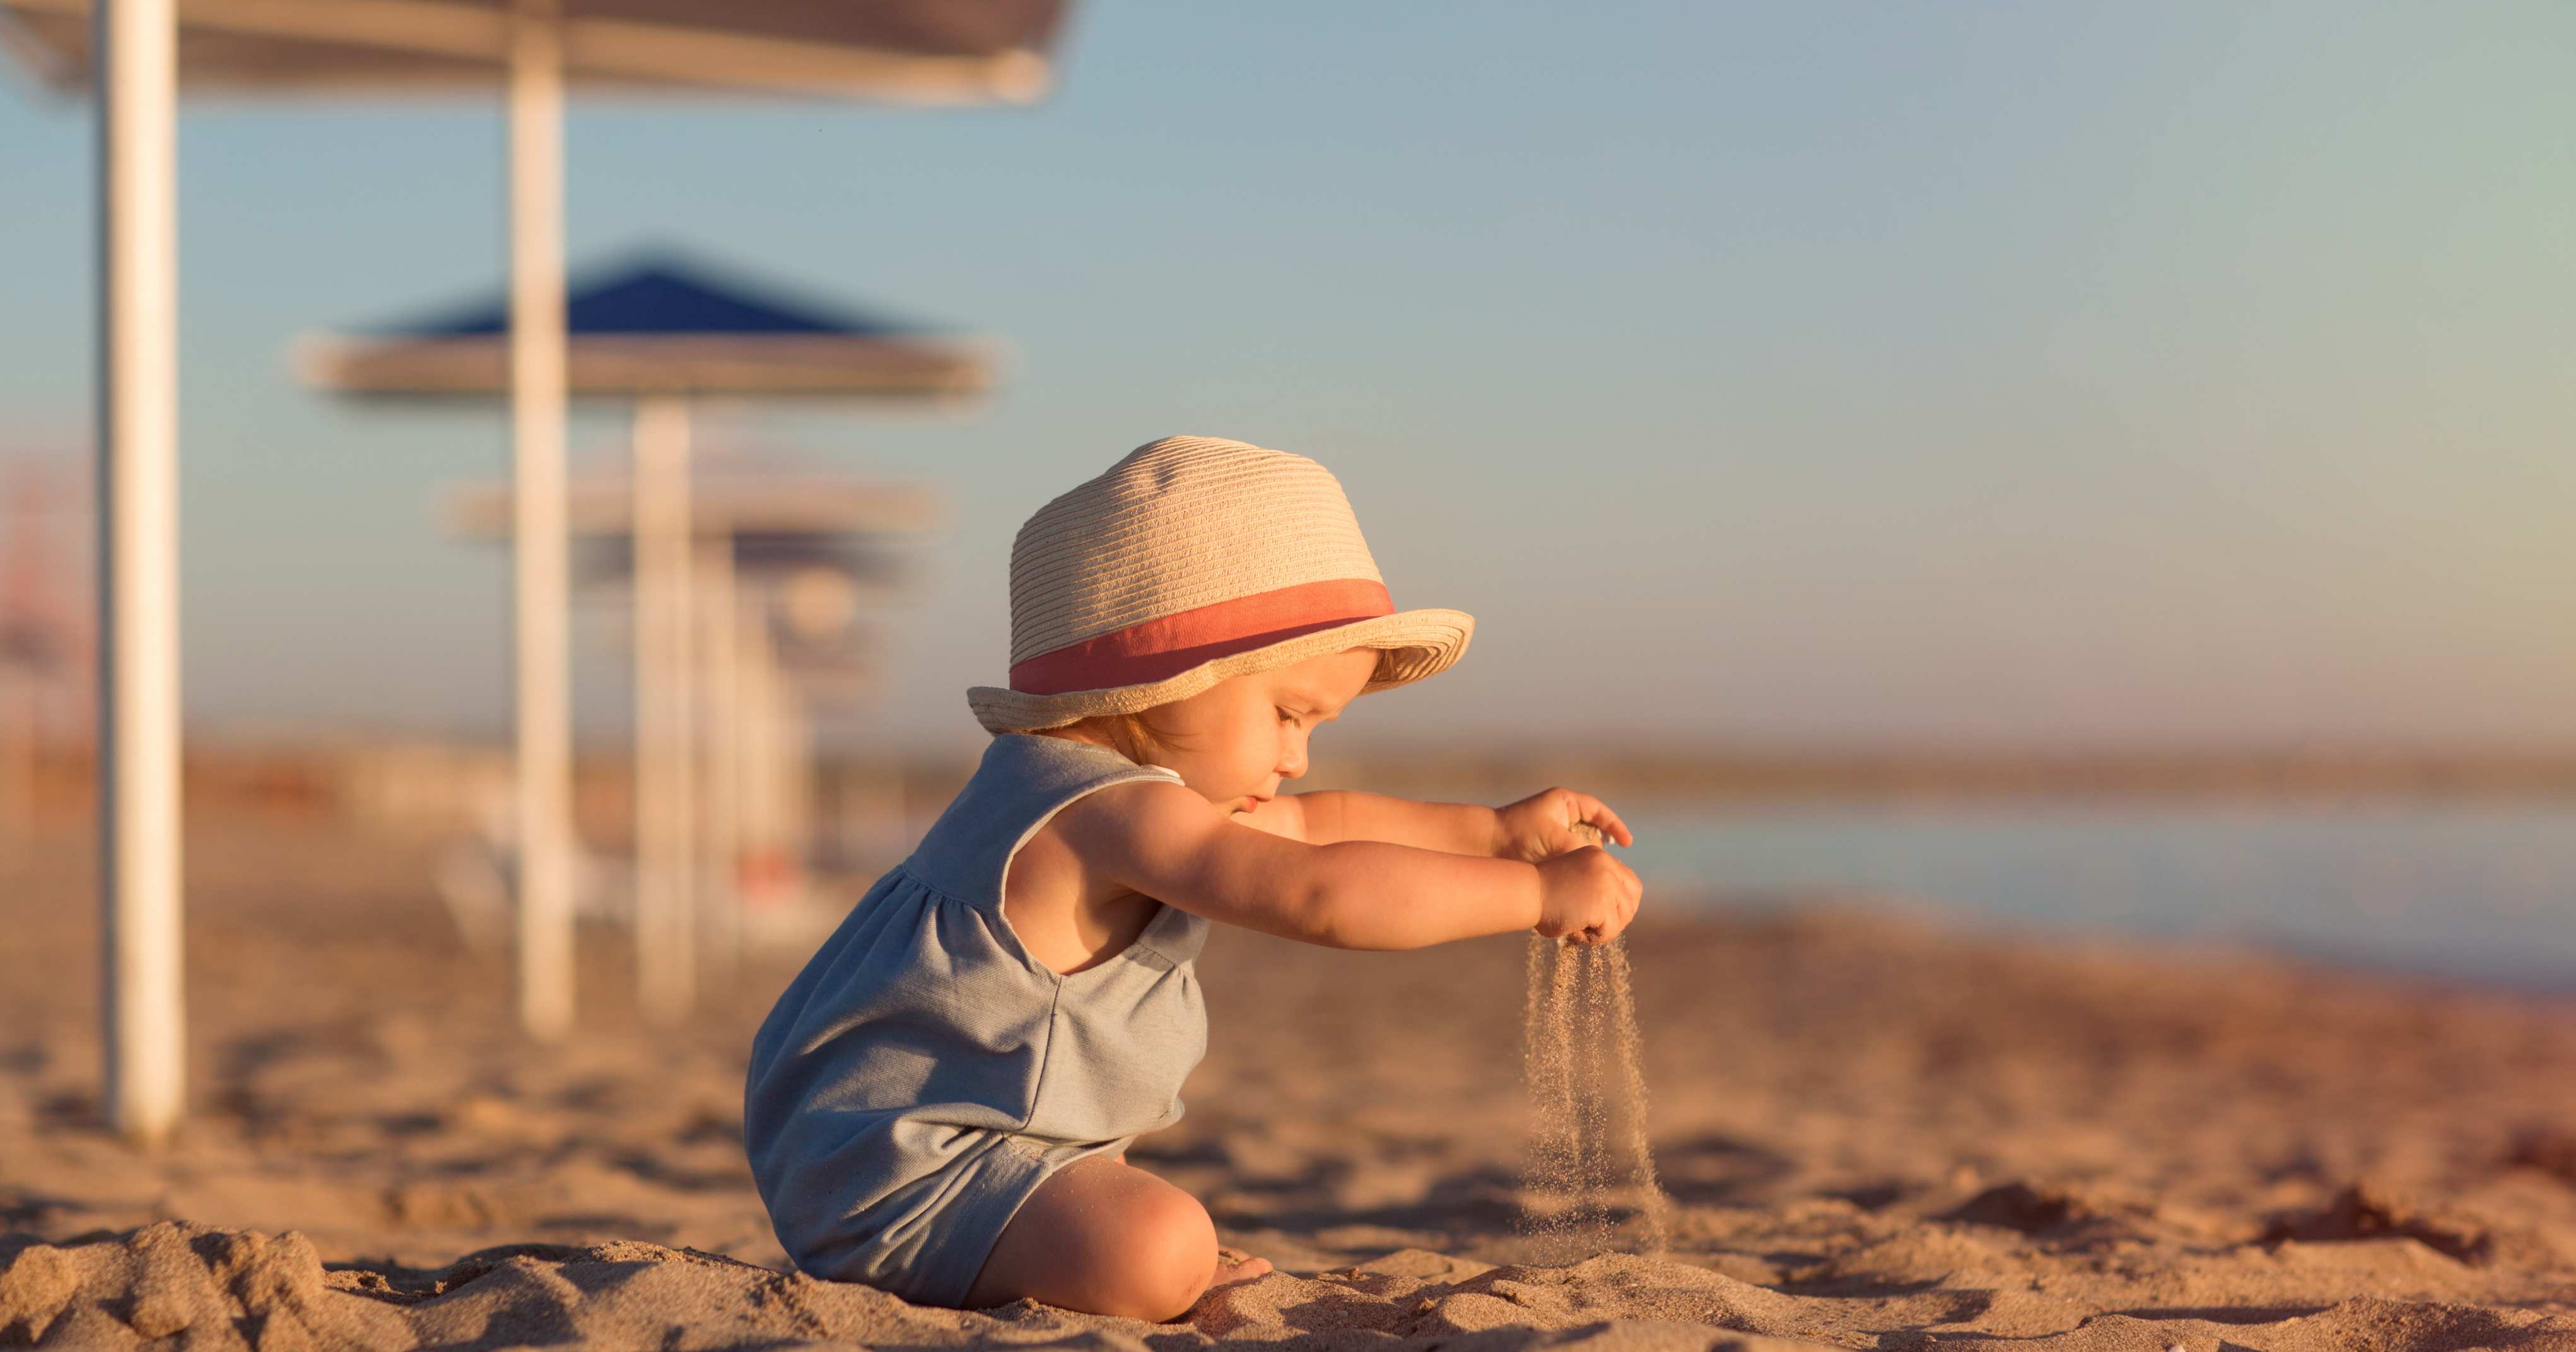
(1238, 739)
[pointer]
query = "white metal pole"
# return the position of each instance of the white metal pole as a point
(665, 929)
(776, 813)
(756, 745)
(719, 718)
(795, 777)
(539, 565)
(138, 502)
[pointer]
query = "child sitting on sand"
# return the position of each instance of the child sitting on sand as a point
(941, 1102)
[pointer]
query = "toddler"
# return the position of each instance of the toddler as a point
(941, 1102)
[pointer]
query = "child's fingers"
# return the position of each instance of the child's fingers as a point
(1598, 815)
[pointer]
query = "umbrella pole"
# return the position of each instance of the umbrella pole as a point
(756, 750)
(795, 777)
(138, 733)
(665, 933)
(545, 975)
(719, 717)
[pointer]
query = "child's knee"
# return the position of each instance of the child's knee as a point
(1171, 1255)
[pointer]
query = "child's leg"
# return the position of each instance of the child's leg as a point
(1108, 1238)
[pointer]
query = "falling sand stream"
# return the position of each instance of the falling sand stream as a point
(1588, 1182)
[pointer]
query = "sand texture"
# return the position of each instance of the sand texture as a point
(1874, 1134)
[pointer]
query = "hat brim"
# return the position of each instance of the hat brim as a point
(1411, 644)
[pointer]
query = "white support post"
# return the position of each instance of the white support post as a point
(795, 774)
(756, 748)
(777, 794)
(539, 549)
(136, 43)
(665, 927)
(720, 771)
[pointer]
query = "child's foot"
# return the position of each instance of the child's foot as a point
(1234, 1265)
(1233, 1268)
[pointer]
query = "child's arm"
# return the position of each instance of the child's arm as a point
(1333, 815)
(1168, 843)
(1535, 828)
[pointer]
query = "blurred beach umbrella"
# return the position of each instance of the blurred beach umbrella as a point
(136, 53)
(860, 573)
(659, 325)
(783, 557)
(660, 332)
(925, 51)
(727, 497)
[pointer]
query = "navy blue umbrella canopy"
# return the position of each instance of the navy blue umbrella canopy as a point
(659, 325)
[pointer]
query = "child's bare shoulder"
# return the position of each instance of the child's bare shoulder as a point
(1166, 841)
(1160, 808)
(1123, 817)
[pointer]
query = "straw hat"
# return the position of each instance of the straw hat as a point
(1192, 560)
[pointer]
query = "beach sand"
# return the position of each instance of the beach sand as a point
(1876, 1133)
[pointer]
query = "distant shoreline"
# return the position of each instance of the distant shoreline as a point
(1702, 776)
(354, 776)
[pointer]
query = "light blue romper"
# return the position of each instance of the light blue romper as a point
(923, 1075)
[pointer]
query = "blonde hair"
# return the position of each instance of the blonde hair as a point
(1131, 735)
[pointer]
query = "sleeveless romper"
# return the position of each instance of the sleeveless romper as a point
(923, 1074)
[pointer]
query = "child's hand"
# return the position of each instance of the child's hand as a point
(1541, 826)
(1587, 896)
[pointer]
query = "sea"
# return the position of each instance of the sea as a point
(2476, 891)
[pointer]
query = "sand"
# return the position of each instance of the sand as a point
(1588, 1173)
(1875, 1134)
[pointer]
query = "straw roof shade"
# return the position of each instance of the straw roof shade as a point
(719, 504)
(922, 51)
(782, 522)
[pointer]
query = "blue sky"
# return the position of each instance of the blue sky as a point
(2045, 374)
